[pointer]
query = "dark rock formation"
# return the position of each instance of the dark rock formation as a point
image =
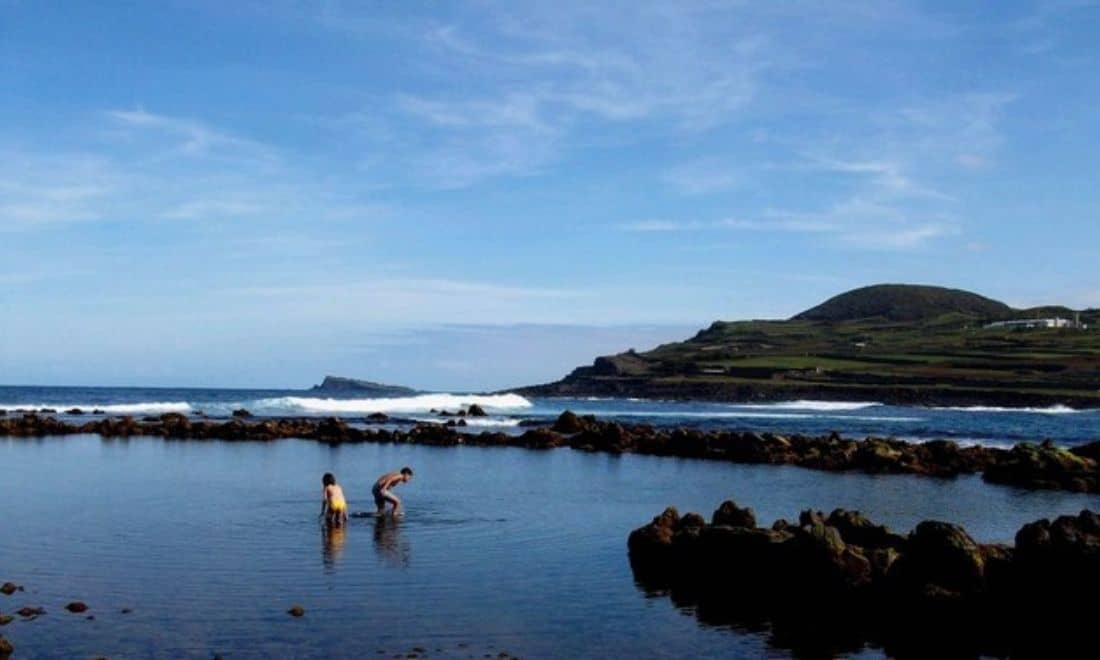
(476, 411)
(834, 584)
(731, 515)
(1026, 466)
(9, 588)
(241, 412)
(77, 607)
(296, 611)
(30, 612)
(1047, 466)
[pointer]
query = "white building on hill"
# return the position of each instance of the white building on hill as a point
(1036, 323)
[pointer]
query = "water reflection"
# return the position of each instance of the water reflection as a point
(332, 545)
(391, 547)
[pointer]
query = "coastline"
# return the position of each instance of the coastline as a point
(719, 391)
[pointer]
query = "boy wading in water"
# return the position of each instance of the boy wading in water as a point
(383, 493)
(334, 508)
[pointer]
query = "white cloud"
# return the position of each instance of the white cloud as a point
(910, 237)
(200, 209)
(41, 189)
(702, 177)
(807, 225)
(192, 137)
(159, 167)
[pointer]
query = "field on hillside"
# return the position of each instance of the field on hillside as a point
(951, 358)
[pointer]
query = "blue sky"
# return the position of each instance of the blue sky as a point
(478, 195)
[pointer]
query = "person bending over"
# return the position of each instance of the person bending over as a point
(334, 508)
(383, 491)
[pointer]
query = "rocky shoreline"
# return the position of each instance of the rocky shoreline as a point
(1027, 465)
(828, 584)
(718, 391)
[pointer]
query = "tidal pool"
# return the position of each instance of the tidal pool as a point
(502, 550)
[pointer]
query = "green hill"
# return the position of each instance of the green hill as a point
(888, 343)
(905, 302)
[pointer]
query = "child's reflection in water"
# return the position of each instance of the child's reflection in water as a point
(333, 544)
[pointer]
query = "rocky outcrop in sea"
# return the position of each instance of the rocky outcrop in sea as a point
(833, 583)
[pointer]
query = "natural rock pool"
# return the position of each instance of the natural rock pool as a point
(502, 550)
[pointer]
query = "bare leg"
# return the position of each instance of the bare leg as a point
(396, 506)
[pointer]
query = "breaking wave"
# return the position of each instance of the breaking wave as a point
(824, 406)
(411, 404)
(1050, 410)
(138, 408)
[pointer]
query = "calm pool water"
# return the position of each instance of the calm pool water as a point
(502, 550)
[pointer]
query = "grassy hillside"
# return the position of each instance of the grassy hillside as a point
(950, 358)
(905, 302)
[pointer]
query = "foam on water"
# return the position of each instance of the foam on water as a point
(480, 422)
(824, 406)
(137, 408)
(1051, 410)
(736, 414)
(411, 404)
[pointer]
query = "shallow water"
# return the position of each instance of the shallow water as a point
(501, 550)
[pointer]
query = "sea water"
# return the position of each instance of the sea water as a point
(986, 425)
(502, 550)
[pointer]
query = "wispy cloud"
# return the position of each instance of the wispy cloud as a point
(543, 83)
(857, 225)
(780, 225)
(192, 137)
(702, 177)
(144, 167)
(42, 189)
(414, 288)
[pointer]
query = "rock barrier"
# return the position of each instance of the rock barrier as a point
(833, 583)
(1027, 465)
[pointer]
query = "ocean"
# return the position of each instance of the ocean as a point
(982, 425)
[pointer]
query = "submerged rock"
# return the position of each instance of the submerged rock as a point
(241, 413)
(296, 611)
(77, 607)
(9, 588)
(29, 612)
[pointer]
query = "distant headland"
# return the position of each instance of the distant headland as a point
(892, 343)
(341, 385)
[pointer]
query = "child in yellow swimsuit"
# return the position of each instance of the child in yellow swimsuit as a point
(334, 508)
